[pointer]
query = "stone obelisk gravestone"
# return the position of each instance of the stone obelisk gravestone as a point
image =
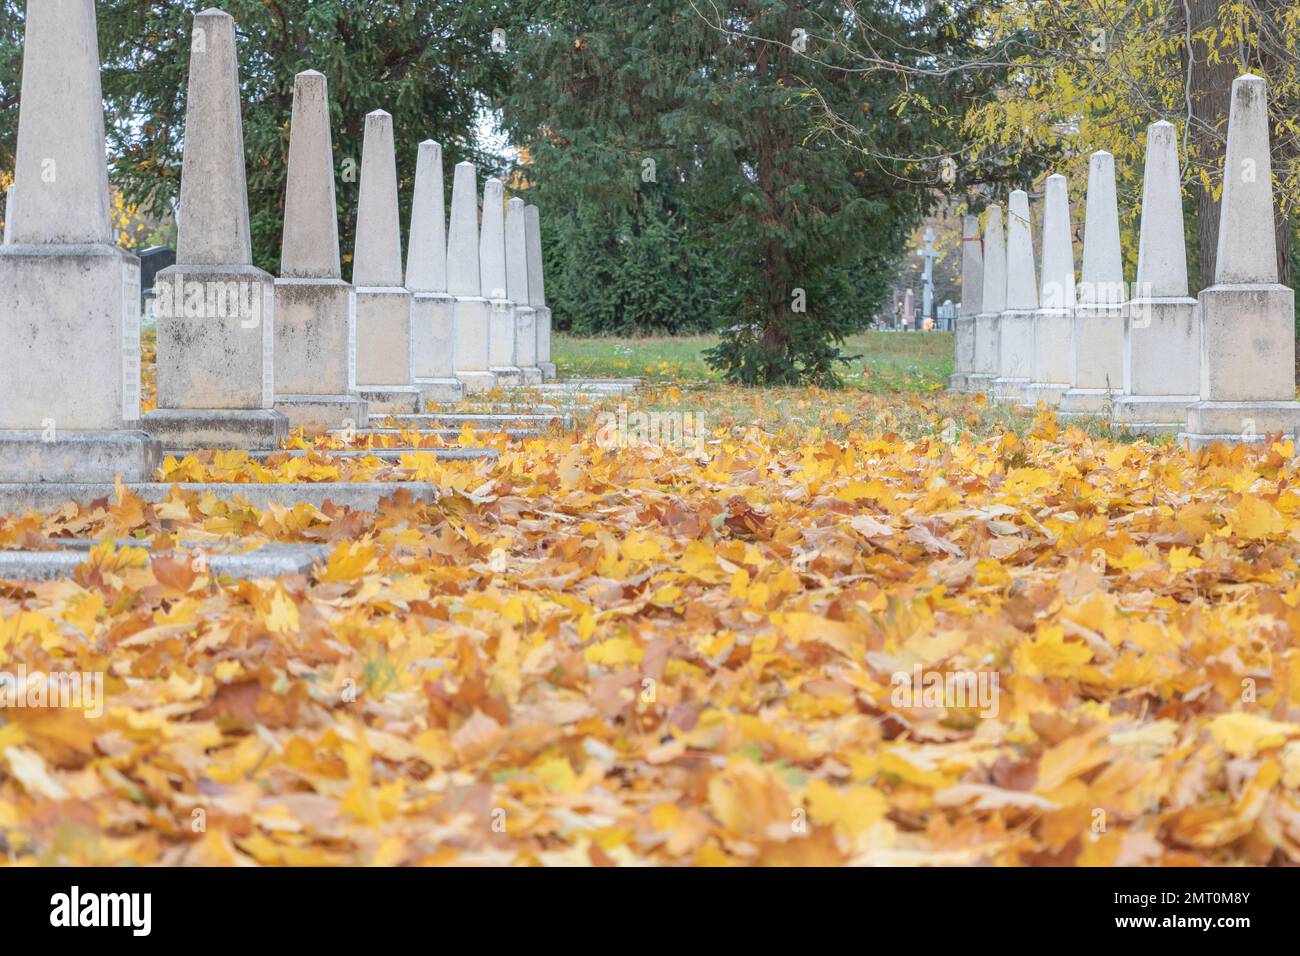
(992, 303)
(313, 305)
(464, 282)
(1162, 327)
(537, 290)
(1099, 316)
(1016, 335)
(70, 306)
(1054, 321)
(433, 344)
(382, 316)
(1247, 318)
(972, 288)
(492, 272)
(215, 309)
(517, 290)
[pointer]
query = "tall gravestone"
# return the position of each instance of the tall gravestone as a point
(1016, 334)
(382, 319)
(1247, 318)
(1099, 315)
(992, 303)
(1162, 328)
(313, 305)
(537, 290)
(69, 298)
(215, 309)
(465, 283)
(972, 287)
(492, 272)
(1054, 322)
(517, 289)
(433, 342)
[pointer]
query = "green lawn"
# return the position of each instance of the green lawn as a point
(887, 361)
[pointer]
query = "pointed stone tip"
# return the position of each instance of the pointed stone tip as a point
(1056, 177)
(1249, 78)
(309, 74)
(430, 142)
(1161, 124)
(514, 201)
(1018, 193)
(1102, 154)
(379, 114)
(213, 12)
(466, 163)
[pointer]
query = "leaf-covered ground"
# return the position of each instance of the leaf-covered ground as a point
(587, 655)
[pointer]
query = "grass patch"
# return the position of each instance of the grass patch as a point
(884, 361)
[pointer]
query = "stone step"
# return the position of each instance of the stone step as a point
(386, 454)
(358, 496)
(448, 434)
(272, 559)
(476, 419)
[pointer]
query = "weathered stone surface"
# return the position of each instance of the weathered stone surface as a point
(382, 401)
(312, 331)
(517, 291)
(268, 561)
(993, 301)
(1099, 315)
(215, 336)
(9, 213)
(1247, 387)
(492, 270)
(385, 454)
(332, 411)
(217, 427)
(75, 456)
(383, 338)
(433, 338)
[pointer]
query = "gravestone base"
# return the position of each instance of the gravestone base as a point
(390, 400)
(979, 383)
(957, 381)
(194, 428)
(1015, 356)
(1153, 414)
(1049, 393)
(508, 375)
(1086, 402)
(328, 410)
(549, 373)
(1248, 336)
(216, 338)
(440, 390)
(477, 382)
(433, 339)
(312, 325)
(1239, 423)
(1011, 390)
(77, 456)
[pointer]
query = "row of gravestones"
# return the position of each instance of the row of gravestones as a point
(240, 355)
(1217, 368)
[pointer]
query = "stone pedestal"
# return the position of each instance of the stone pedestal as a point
(526, 344)
(383, 350)
(1053, 357)
(1247, 388)
(470, 323)
(312, 334)
(536, 274)
(216, 345)
(433, 348)
(501, 342)
(1162, 346)
(972, 300)
(1098, 360)
(1015, 356)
